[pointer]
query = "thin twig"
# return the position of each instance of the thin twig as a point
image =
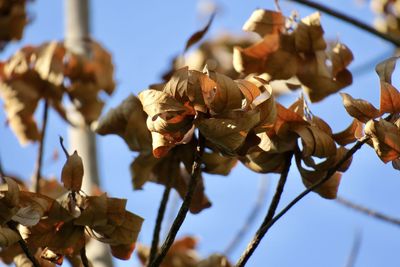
(39, 160)
(2, 175)
(355, 250)
(196, 169)
(277, 6)
(63, 147)
(84, 259)
(357, 23)
(266, 226)
(262, 196)
(368, 211)
(159, 220)
(270, 214)
(24, 246)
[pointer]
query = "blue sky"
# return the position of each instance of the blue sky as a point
(142, 37)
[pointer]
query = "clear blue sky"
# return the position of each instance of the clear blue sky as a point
(142, 37)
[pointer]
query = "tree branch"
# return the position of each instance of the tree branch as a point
(368, 211)
(357, 23)
(23, 245)
(262, 195)
(270, 214)
(196, 169)
(355, 250)
(84, 259)
(39, 160)
(268, 224)
(159, 219)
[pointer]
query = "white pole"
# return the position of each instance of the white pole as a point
(83, 140)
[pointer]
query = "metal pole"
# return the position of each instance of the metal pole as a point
(82, 139)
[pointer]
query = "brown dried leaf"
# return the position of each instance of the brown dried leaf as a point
(72, 172)
(8, 236)
(389, 99)
(196, 37)
(229, 133)
(127, 120)
(94, 211)
(349, 135)
(385, 138)
(264, 162)
(308, 35)
(341, 56)
(265, 22)
(214, 260)
(214, 163)
(360, 109)
(385, 69)
(227, 94)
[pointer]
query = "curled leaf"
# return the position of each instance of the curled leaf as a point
(360, 109)
(72, 172)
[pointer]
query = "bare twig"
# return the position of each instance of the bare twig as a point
(84, 259)
(350, 20)
(270, 214)
(368, 211)
(63, 147)
(277, 6)
(159, 220)
(268, 224)
(196, 169)
(262, 196)
(355, 250)
(23, 245)
(39, 160)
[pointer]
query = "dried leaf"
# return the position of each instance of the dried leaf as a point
(360, 109)
(385, 138)
(229, 133)
(341, 56)
(349, 135)
(8, 236)
(265, 22)
(215, 163)
(199, 34)
(72, 172)
(309, 34)
(389, 99)
(385, 69)
(127, 120)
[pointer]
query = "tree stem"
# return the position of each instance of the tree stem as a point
(268, 224)
(368, 211)
(24, 246)
(159, 220)
(270, 214)
(39, 160)
(196, 169)
(357, 23)
(84, 259)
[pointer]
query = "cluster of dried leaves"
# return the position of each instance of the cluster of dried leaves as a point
(49, 72)
(383, 133)
(388, 16)
(13, 19)
(294, 50)
(240, 119)
(183, 254)
(56, 223)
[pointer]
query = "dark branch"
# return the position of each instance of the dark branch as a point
(268, 224)
(196, 170)
(262, 196)
(24, 246)
(159, 220)
(355, 250)
(350, 20)
(84, 259)
(63, 147)
(252, 246)
(39, 160)
(368, 211)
